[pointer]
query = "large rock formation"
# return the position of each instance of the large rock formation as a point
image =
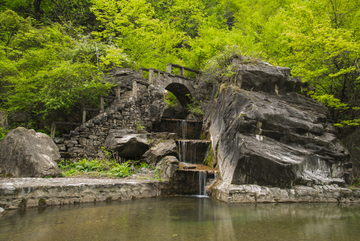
(263, 132)
(126, 143)
(26, 153)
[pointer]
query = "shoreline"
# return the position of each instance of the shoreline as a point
(17, 193)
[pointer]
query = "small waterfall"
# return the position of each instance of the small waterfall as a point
(182, 129)
(182, 151)
(202, 183)
(192, 151)
(193, 174)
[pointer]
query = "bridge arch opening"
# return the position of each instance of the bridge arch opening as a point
(181, 92)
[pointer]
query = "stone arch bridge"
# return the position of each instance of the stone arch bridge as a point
(179, 85)
(136, 103)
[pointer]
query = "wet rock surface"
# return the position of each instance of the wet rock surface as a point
(265, 133)
(26, 153)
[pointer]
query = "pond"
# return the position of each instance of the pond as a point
(183, 218)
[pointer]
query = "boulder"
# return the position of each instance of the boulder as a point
(167, 167)
(265, 77)
(156, 153)
(126, 143)
(272, 136)
(26, 153)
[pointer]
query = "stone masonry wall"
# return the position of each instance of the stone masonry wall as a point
(138, 107)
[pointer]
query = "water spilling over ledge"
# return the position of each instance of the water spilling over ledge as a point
(185, 129)
(192, 151)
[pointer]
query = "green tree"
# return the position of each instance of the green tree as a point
(326, 57)
(131, 24)
(45, 72)
(76, 12)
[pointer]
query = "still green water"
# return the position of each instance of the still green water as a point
(183, 218)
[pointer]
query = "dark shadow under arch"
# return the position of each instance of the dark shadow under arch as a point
(181, 92)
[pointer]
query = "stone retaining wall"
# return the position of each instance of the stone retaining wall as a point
(226, 192)
(136, 112)
(34, 192)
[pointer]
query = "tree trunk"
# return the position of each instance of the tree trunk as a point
(37, 10)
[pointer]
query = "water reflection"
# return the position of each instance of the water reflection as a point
(183, 218)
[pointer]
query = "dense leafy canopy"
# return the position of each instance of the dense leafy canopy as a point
(53, 52)
(45, 72)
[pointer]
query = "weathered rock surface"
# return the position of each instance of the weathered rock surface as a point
(157, 152)
(230, 193)
(264, 77)
(167, 167)
(26, 153)
(267, 134)
(126, 143)
(33, 192)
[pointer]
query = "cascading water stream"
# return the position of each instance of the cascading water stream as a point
(188, 151)
(202, 183)
(191, 156)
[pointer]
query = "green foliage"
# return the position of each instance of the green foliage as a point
(170, 100)
(130, 24)
(356, 181)
(42, 202)
(209, 157)
(45, 72)
(49, 67)
(221, 63)
(76, 12)
(3, 133)
(107, 153)
(139, 127)
(326, 57)
(121, 170)
(144, 165)
(194, 106)
(96, 167)
(158, 174)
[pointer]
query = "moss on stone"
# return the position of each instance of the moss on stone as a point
(42, 202)
(22, 204)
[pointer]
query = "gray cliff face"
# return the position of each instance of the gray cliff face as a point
(265, 133)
